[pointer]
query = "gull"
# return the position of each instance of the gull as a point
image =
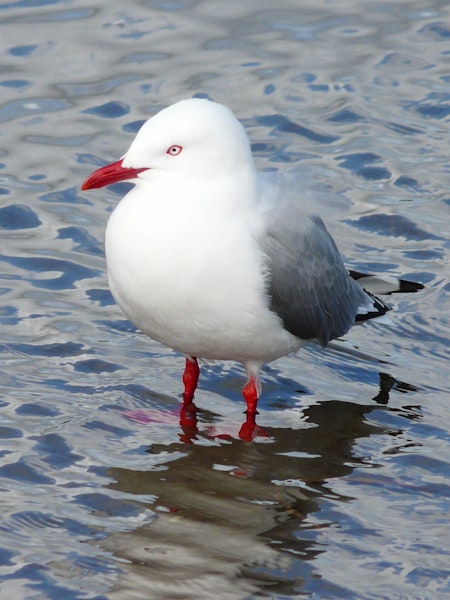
(216, 260)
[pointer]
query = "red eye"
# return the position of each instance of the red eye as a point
(174, 150)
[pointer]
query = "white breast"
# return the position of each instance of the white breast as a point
(192, 279)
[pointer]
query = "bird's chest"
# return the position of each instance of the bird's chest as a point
(181, 277)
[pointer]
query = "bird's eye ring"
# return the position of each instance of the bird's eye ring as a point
(174, 150)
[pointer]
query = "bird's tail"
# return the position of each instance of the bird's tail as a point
(372, 284)
(384, 285)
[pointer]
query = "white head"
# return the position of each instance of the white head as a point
(195, 137)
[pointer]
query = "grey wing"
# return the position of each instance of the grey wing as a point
(309, 286)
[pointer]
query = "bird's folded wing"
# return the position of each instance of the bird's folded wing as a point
(308, 284)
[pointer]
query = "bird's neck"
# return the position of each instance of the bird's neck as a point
(210, 193)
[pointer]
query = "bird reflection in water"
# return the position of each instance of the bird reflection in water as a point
(234, 519)
(248, 430)
(189, 426)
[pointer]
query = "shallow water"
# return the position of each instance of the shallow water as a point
(345, 494)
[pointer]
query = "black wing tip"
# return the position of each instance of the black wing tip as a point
(409, 286)
(402, 286)
(378, 309)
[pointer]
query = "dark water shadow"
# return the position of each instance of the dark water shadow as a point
(232, 517)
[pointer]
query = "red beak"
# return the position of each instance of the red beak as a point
(110, 174)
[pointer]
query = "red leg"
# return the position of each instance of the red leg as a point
(190, 379)
(188, 423)
(248, 429)
(250, 393)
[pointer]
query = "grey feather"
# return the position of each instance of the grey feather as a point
(309, 286)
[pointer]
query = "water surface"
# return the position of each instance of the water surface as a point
(345, 494)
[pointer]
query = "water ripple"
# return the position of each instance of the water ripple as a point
(107, 490)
